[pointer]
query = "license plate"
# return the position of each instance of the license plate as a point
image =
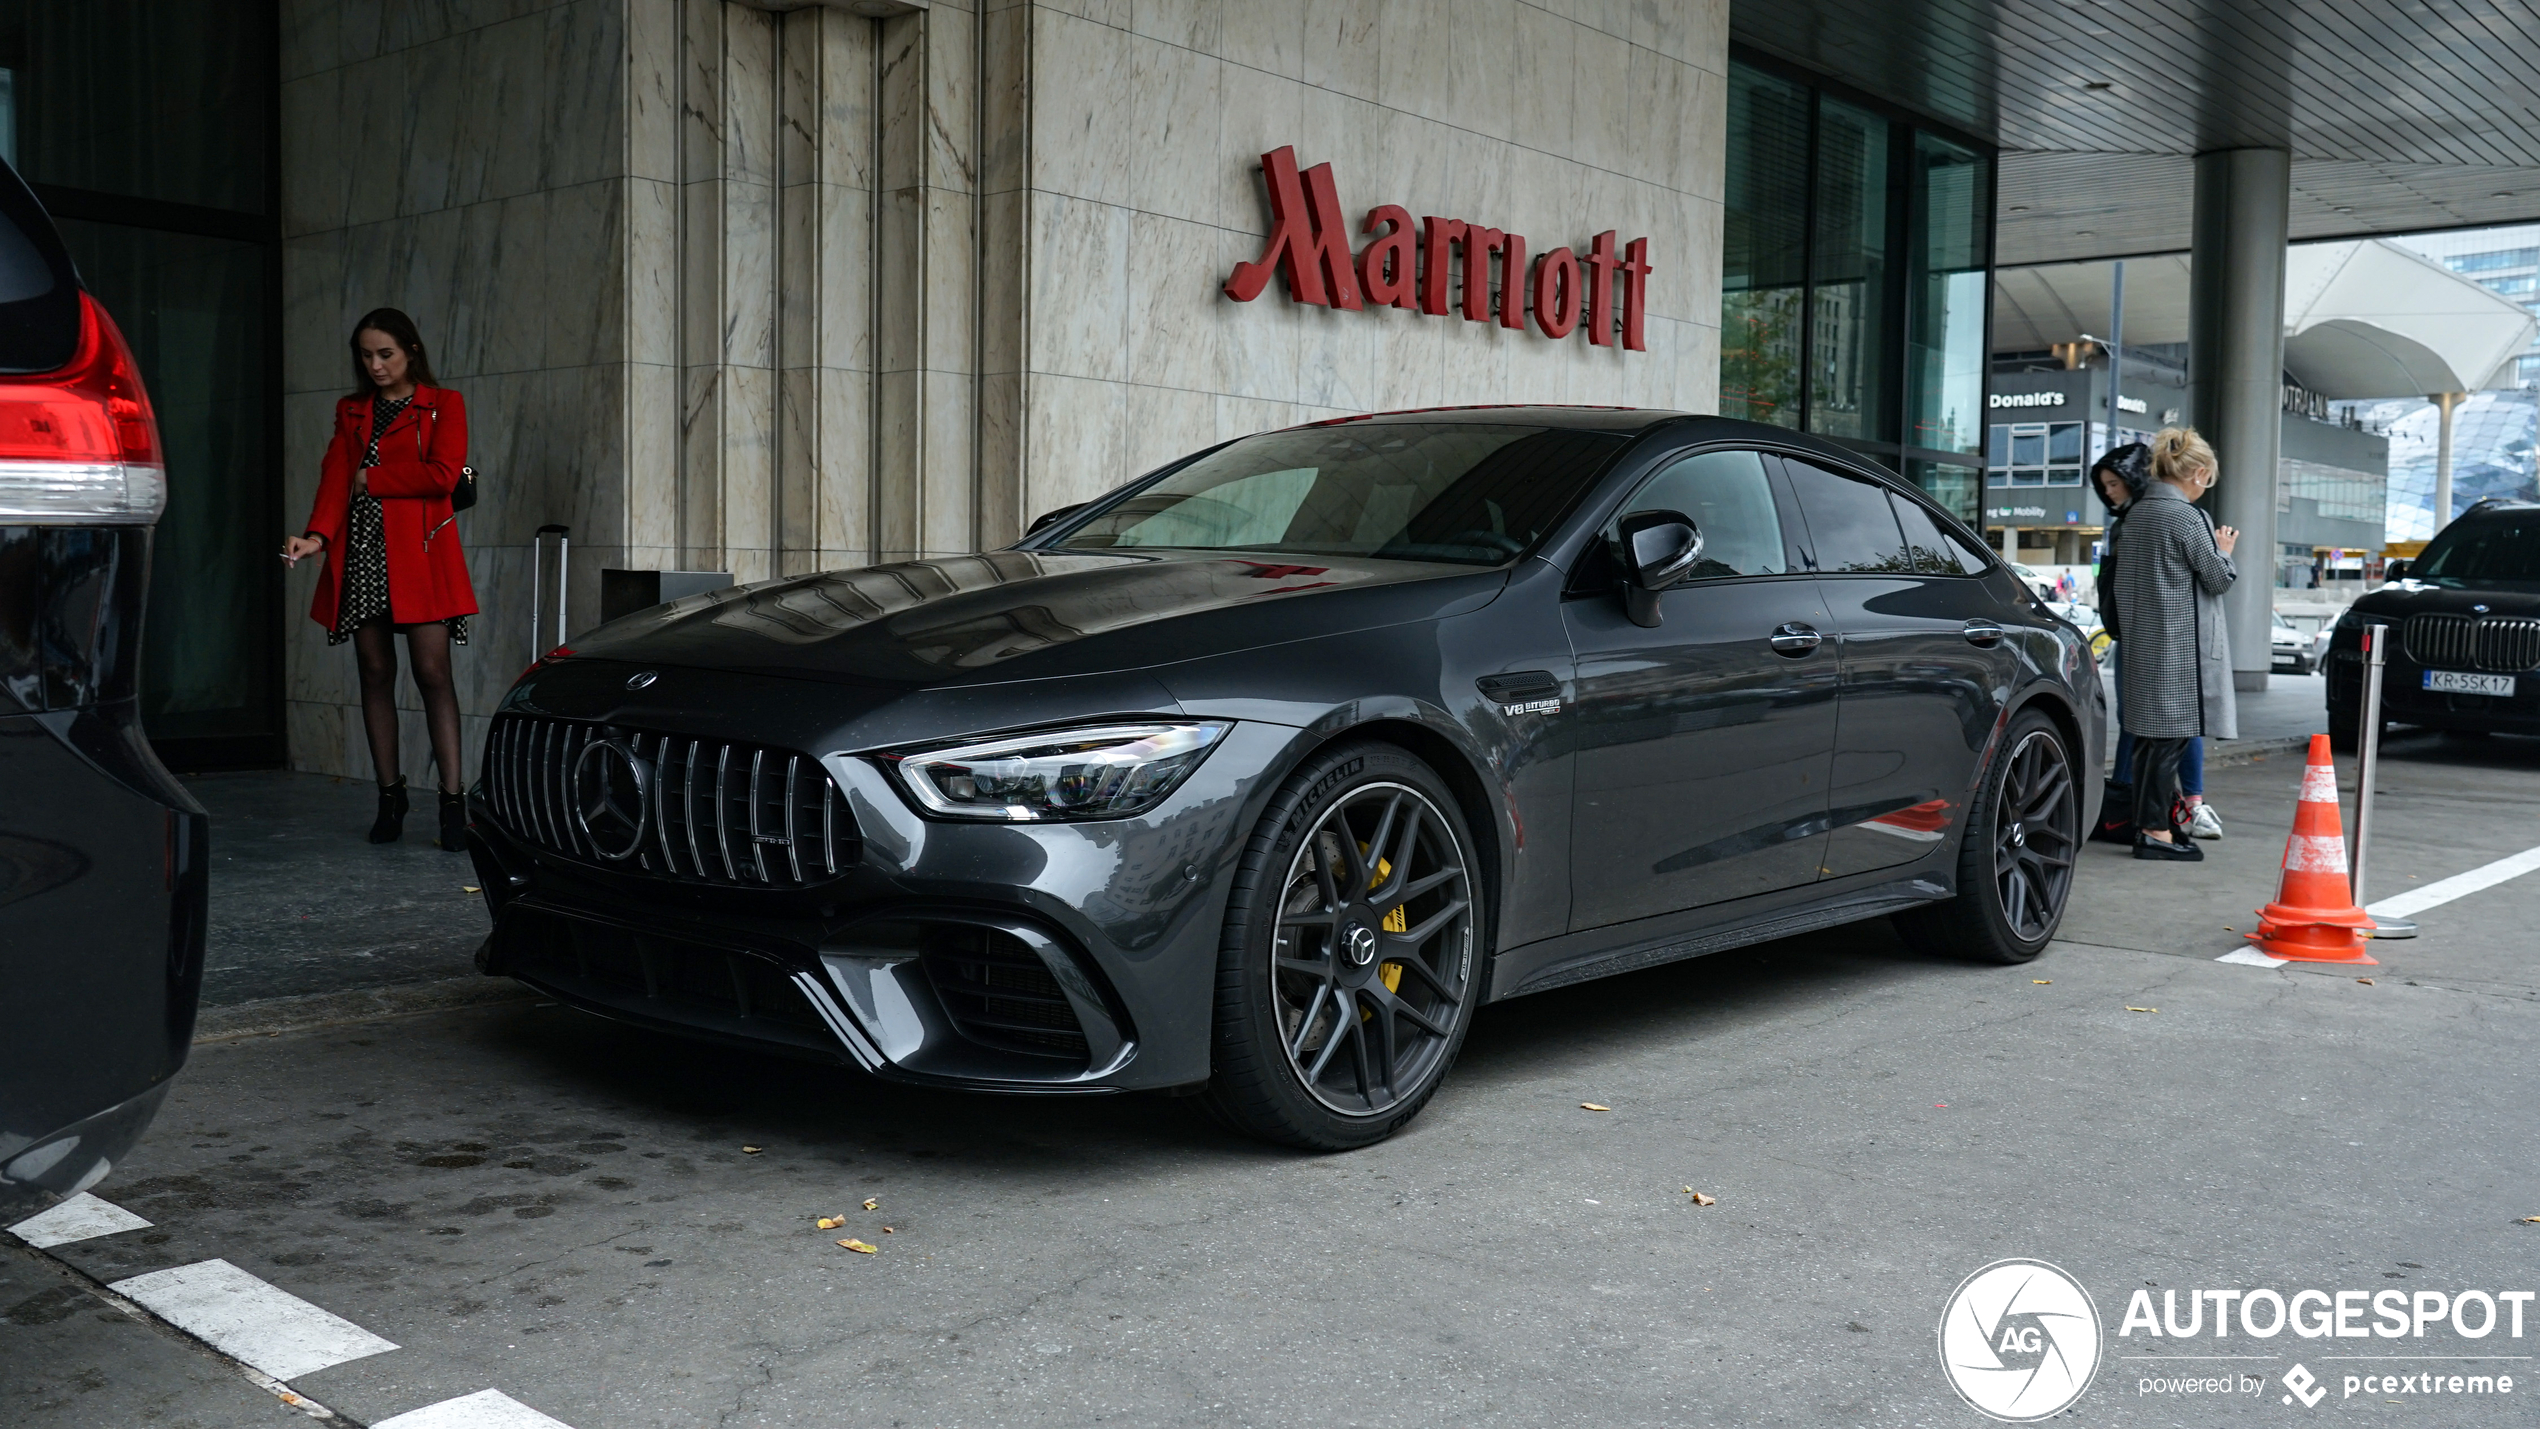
(2456, 682)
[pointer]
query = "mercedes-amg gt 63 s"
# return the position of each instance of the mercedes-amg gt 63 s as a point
(1255, 777)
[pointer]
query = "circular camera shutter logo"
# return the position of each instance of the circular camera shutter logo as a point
(2019, 1340)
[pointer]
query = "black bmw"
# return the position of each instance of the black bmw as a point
(1260, 774)
(2467, 616)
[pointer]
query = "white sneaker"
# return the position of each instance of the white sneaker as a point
(2205, 823)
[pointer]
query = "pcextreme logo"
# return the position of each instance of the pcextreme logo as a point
(2019, 1340)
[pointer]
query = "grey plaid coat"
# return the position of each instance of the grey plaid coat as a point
(2174, 672)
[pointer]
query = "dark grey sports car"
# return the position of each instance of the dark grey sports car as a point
(1255, 777)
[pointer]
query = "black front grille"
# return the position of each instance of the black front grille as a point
(696, 810)
(713, 989)
(999, 993)
(2457, 642)
(2508, 643)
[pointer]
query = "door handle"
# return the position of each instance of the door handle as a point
(1983, 632)
(1794, 638)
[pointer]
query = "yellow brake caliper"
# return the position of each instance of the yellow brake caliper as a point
(1395, 922)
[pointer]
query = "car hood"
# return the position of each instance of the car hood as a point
(1021, 615)
(2414, 597)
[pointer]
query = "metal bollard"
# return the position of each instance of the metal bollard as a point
(2367, 768)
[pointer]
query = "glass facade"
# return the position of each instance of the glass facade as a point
(149, 132)
(1856, 274)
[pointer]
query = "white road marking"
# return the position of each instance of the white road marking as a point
(485, 1409)
(2417, 900)
(82, 1217)
(2250, 956)
(247, 1319)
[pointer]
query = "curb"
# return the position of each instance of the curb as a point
(274, 1015)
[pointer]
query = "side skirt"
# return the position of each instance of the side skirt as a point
(1622, 953)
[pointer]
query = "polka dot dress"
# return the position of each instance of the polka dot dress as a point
(365, 594)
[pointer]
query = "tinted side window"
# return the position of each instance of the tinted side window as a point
(1730, 498)
(1851, 527)
(1926, 545)
(39, 296)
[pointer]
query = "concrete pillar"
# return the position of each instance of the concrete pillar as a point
(2235, 371)
(2445, 401)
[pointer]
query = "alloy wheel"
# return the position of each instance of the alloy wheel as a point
(2035, 833)
(1371, 964)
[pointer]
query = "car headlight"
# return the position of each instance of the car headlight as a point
(2352, 619)
(1099, 772)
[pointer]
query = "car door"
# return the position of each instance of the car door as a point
(1702, 745)
(1926, 665)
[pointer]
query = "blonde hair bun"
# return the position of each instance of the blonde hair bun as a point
(2181, 457)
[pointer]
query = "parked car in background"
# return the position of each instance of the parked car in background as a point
(1255, 778)
(2289, 649)
(2085, 618)
(102, 853)
(2466, 616)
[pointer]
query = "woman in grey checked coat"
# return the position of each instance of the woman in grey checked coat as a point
(2173, 566)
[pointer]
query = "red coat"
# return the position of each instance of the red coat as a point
(419, 460)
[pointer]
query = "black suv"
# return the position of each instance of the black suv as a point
(2467, 613)
(102, 886)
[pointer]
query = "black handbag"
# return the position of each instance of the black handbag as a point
(463, 495)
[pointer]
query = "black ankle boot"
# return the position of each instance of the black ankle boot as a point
(454, 821)
(391, 823)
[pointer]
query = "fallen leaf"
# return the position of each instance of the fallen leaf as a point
(2365, 981)
(1688, 1190)
(851, 1243)
(2043, 981)
(749, 1151)
(470, 888)
(830, 1223)
(871, 1204)
(2529, 1221)
(2143, 1009)
(886, 1230)
(1594, 1106)
(1700, 1199)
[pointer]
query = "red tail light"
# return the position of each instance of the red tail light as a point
(81, 446)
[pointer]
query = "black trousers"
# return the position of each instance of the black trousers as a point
(2156, 793)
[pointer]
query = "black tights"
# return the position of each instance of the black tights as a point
(428, 647)
(2157, 801)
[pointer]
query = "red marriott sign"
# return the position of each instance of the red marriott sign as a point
(1605, 292)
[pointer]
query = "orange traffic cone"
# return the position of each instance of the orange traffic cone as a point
(2314, 918)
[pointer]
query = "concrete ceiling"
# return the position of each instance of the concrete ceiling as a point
(2401, 115)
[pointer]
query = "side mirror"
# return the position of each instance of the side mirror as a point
(1049, 517)
(2394, 571)
(1660, 550)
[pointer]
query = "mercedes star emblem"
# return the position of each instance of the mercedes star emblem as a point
(642, 678)
(1360, 943)
(610, 785)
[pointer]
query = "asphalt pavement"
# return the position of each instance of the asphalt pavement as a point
(614, 1229)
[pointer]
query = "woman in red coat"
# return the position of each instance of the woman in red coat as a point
(383, 510)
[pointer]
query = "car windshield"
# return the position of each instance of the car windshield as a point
(2487, 551)
(1463, 492)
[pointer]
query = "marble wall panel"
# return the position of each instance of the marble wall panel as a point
(1268, 38)
(1173, 126)
(1261, 112)
(842, 423)
(1342, 47)
(653, 30)
(951, 128)
(652, 455)
(949, 511)
(1191, 24)
(585, 64)
(1602, 132)
(1083, 137)
(1543, 91)
(1075, 439)
(1415, 37)
(1173, 329)
(1081, 250)
(1163, 424)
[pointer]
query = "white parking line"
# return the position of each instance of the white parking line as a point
(82, 1217)
(485, 1409)
(247, 1319)
(2460, 885)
